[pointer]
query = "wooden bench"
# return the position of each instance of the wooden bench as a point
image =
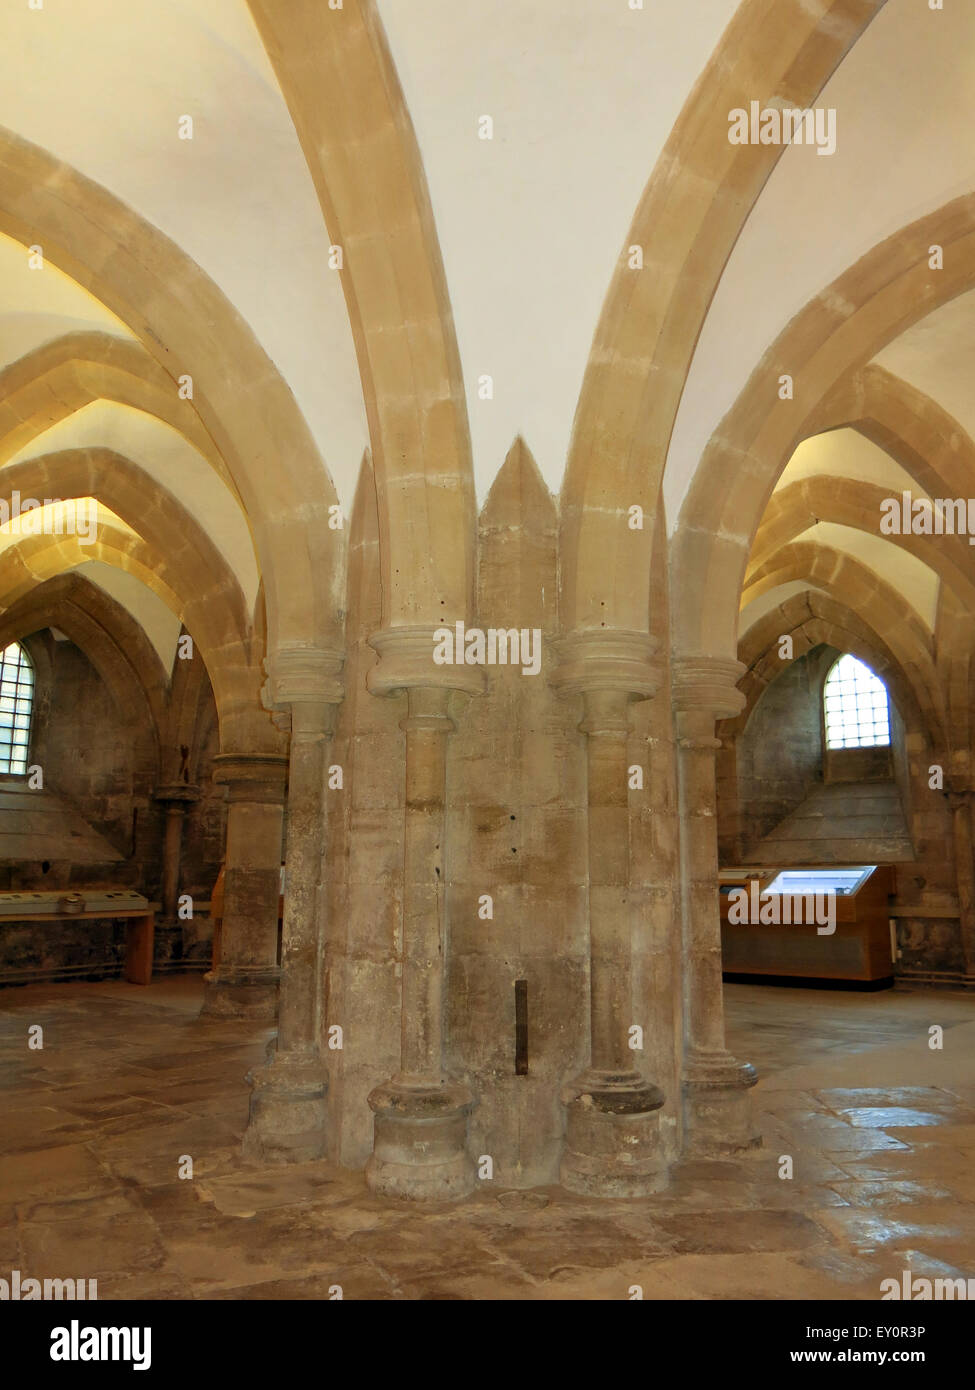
(88, 905)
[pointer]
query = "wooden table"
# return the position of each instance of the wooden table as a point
(99, 904)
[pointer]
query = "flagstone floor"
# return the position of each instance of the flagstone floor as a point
(880, 1127)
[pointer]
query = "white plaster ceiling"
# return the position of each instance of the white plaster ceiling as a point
(905, 100)
(583, 94)
(846, 453)
(159, 622)
(37, 306)
(937, 356)
(43, 519)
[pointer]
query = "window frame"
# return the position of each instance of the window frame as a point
(858, 696)
(8, 746)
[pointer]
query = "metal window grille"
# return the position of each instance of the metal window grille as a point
(857, 709)
(16, 707)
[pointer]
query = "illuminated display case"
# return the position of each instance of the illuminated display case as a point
(823, 923)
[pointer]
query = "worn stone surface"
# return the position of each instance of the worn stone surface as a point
(93, 1136)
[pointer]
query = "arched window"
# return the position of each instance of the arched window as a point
(16, 704)
(857, 711)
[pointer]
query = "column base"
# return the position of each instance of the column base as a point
(167, 949)
(420, 1141)
(238, 992)
(612, 1138)
(288, 1110)
(718, 1117)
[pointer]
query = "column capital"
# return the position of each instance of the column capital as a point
(176, 793)
(708, 684)
(614, 660)
(257, 777)
(302, 675)
(406, 662)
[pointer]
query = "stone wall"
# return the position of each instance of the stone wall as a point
(204, 838)
(770, 768)
(100, 758)
(780, 753)
(97, 757)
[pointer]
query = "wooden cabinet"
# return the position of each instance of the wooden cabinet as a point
(781, 939)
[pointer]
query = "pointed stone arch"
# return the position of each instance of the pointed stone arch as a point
(921, 435)
(358, 140)
(848, 502)
(850, 581)
(838, 332)
(45, 386)
(699, 196)
(151, 511)
(32, 560)
(112, 641)
(812, 618)
(189, 326)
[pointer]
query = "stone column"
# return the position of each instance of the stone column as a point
(717, 1106)
(420, 1136)
(960, 801)
(287, 1121)
(245, 984)
(612, 1144)
(175, 798)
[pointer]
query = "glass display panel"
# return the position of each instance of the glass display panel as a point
(842, 882)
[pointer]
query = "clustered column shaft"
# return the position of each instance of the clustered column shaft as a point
(245, 984)
(612, 1144)
(960, 802)
(427, 728)
(717, 1110)
(421, 1115)
(288, 1106)
(420, 1146)
(611, 975)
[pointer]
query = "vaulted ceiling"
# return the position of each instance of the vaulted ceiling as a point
(529, 225)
